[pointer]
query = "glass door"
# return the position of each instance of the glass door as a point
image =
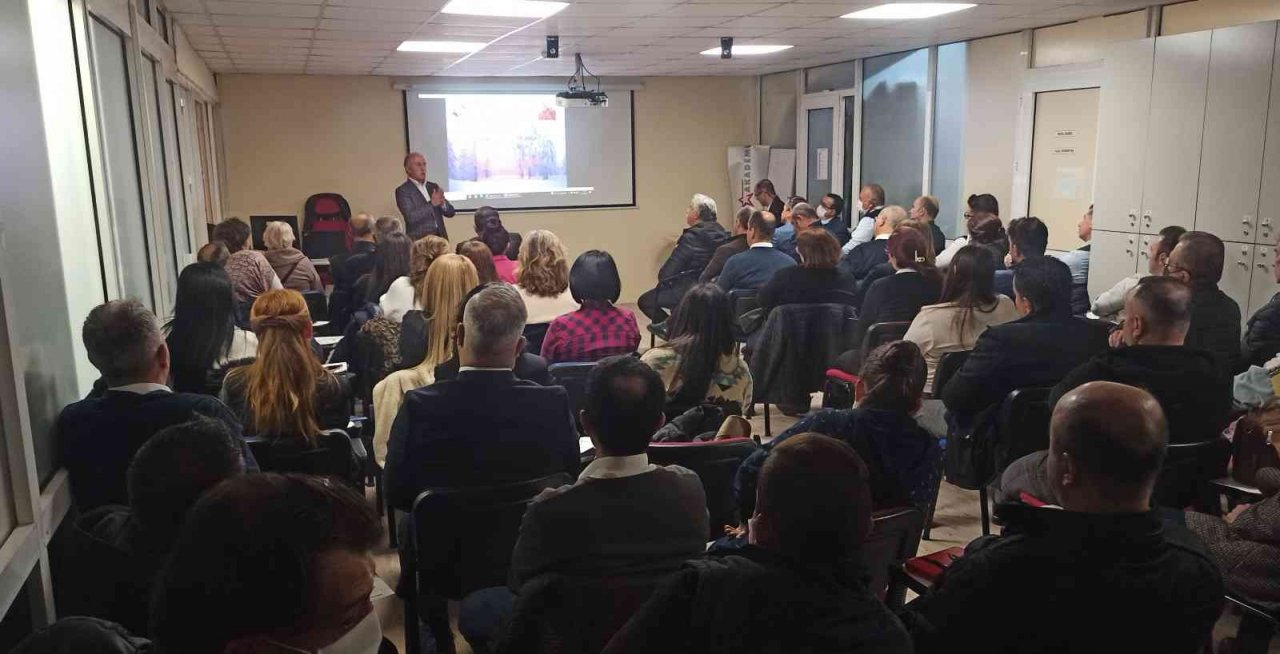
(817, 166)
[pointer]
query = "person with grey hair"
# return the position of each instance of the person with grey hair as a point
(422, 203)
(295, 270)
(871, 201)
(98, 436)
(692, 254)
(485, 427)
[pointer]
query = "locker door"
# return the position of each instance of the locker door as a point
(1269, 206)
(1113, 256)
(1234, 131)
(1237, 272)
(1263, 284)
(1122, 135)
(1179, 86)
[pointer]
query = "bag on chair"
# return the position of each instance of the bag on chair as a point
(1257, 442)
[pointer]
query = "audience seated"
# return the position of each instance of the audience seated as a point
(386, 225)
(1149, 354)
(831, 213)
(884, 269)
(599, 329)
(1102, 573)
(98, 436)
(390, 262)
(981, 206)
(1246, 543)
(489, 230)
(871, 201)
(202, 334)
(968, 306)
(925, 208)
(251, 275)
(767, 196)
(482, 259)
(347, 267)
(1038, 349)
(914, 284)
(1078, 261)
(1028, 237)
(692, 254)
(1110, 304)
(643, 518)
(736, 244)
(405, 293)
(113, 553)
(213, 252)
(292, 267)
(985, 230)
(1261, 341)
(815, 281)
(1215, 317)
(859, 260)
(700, 362)
(749, 270)
(486, 427)
(427, 336)
(797, 587)
(784, 237)
(901, 456)
(543, 278)
(285, 392)
(271, 563)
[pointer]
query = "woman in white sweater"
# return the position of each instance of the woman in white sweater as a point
(405, 293)
(543, 278)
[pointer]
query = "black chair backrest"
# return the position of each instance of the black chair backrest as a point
(1188, 468)
(573, 377)
(332, 456)
(533, 337)
(894, 538)
(881, 333)
(557, 614)
(743, 300)
(317, 305)
(1022, 425)
(716, 463)
(463, 537)
(948, 365)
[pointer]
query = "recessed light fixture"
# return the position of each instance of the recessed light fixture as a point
(748, 50)
(460, 47)
(909, 10)
(506, 8)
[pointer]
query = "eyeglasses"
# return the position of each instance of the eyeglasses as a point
(968, 214)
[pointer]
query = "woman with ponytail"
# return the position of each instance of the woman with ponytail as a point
(405, 293)
(901, 457)
(285, 392)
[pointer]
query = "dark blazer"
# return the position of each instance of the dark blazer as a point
(482, 429)
(421, 218)
(799, 285)
(838, 229)
(777, 207)
(1073, 582)
(697, 244)
(897, 297)
(939, 239)
(347, 267)
(1185, 380)
(1003, 284)
(751, 269)
(733, 246)
(1261, 341)
(98, 436)
(1215, 326)
(529, 367)
(1035, 350)
(865, 256)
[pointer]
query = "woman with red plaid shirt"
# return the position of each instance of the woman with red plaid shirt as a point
(599, 329)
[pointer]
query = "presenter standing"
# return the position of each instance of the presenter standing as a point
(421, 202)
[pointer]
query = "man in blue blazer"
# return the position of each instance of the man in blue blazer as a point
(751, 269)
(421, 202)
(486, 427)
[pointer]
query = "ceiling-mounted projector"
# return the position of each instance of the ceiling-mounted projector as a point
(578, 94)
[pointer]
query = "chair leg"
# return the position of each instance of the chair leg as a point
(377, 495)
(438, 622)
(986, 517)
(392, 538)
(768, 430)
(928, 519)
(409, 582)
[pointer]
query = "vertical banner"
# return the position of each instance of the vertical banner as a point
(748, 164)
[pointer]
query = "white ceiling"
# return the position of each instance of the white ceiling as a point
(615, 37)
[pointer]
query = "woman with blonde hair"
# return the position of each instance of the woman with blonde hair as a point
(294, 269)
(543, 278)
(426, 338)
(405, 293)
(285, 392)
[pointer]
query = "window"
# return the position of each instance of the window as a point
(167, 249)
(830, 77)
(946, 179)
(162, 22)
(894, 89)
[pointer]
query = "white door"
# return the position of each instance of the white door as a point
(1234, 131)
(1269, 204)
(1263, 285)
(1062, 160)
(1122, 135)
(1237, 272)
(1112, 257)
(1179, 85)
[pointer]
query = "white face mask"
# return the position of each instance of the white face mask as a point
(822, 212)
(364, 638)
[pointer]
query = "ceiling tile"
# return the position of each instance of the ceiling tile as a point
(265, 32)
(189, 6)
(482, 21)
(382, 28)
(728, 10)
(372, 14)
(187, 20)
(262, 9)
(263, 21)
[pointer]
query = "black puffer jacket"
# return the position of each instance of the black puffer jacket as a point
(1261, 340)
(692, 254)
(1215, 326)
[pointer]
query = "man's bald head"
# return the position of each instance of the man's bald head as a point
(1106, 444)
(361, 226)
(1157, 312)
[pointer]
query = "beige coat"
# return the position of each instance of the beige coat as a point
(934, 329)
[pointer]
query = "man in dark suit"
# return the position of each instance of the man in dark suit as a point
(768, 198)
(347, 267)
(421, 202)
(1215, 317)
(693, 252)
(486, 427)
(1038, 349)
(98, 436)
(1028, 237)
(830, 210)
(736, 244)
(751, 269)
(859, 261)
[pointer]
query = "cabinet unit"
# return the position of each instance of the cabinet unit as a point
(1237, 272)
(1122, 135)
(1179, 87)
(1112, 257)
(1234, 128)
(1269, 204)
(1263, 284)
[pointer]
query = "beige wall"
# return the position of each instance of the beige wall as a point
(192, 67)
(287, 137)
(995, 69)
(1209, 14)
(1086, 40)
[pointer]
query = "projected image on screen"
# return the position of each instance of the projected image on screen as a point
(512, 146)
(521, 150)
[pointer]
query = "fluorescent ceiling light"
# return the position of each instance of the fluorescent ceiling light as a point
(909, 10)
(749, 50)
(507, 8)
(441, 46)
